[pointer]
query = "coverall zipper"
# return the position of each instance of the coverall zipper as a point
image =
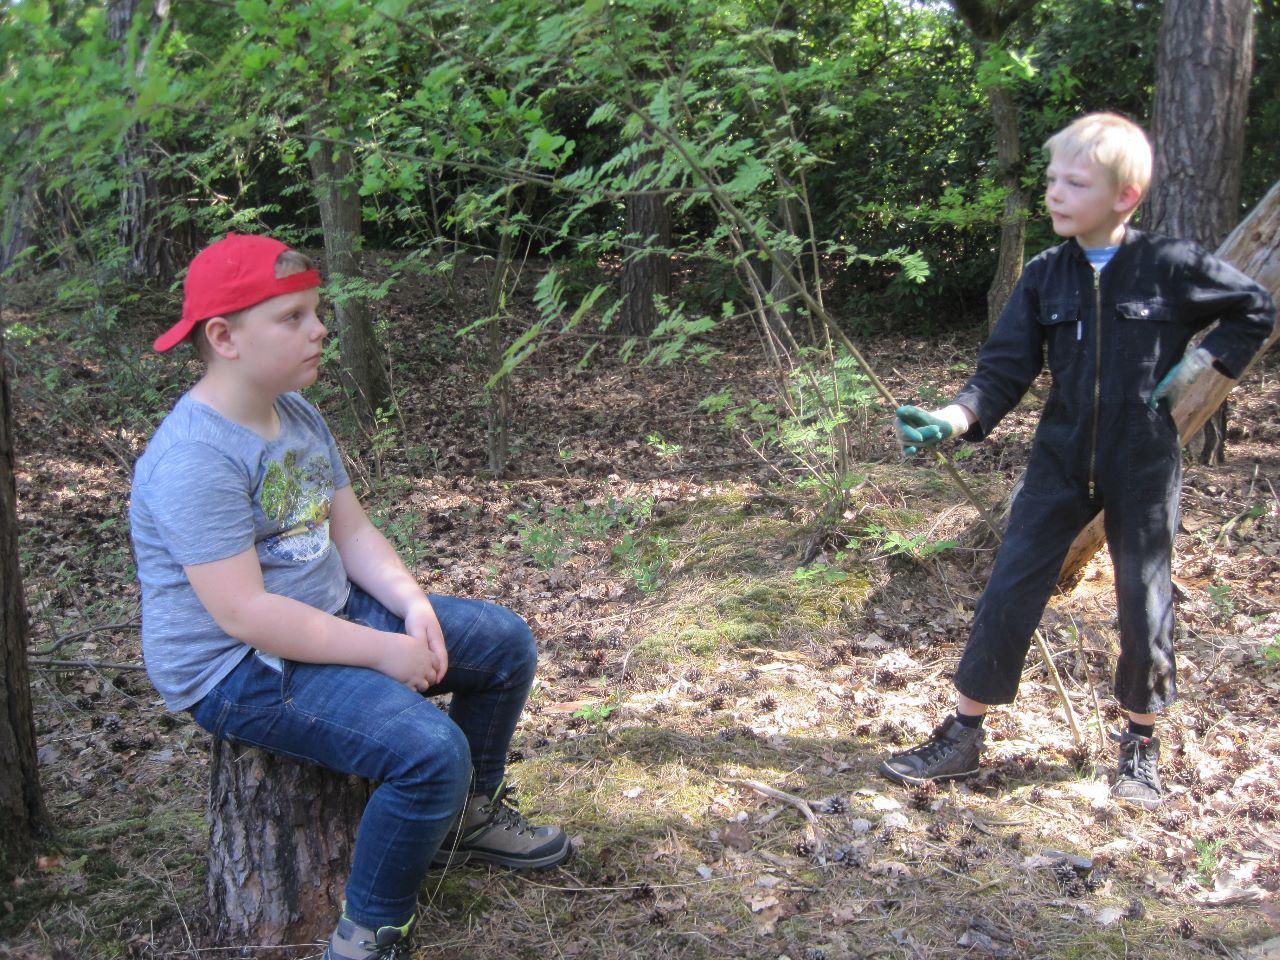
(1097, 378)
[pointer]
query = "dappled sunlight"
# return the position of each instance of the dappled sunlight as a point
(719, 655)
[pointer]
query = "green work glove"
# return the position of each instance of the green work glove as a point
(918, 429)
(1184, 372)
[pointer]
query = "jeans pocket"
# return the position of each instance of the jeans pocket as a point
(286, 674)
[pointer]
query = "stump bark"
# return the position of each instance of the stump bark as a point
(281, 837)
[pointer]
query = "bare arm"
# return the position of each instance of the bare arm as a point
(235, 596)
(373, 564)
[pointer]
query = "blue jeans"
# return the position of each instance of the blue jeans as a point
(359, 721)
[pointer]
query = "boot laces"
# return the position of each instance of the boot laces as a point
(394, 951)
(1137, 762)
(936, 747)
(503, 813)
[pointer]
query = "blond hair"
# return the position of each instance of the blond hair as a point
(287, 264)
(1117, 145)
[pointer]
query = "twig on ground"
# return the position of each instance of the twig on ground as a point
(798, 802)
(52, 664)
(61, 641)
(1225, 532)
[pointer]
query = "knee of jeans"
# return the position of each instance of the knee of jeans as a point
(520, 652)
(432, 753)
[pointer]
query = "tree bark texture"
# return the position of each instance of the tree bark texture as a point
(1202, 88)
(1013, 216)
(1254, 247)
(364, 373)
(989, 21)
(155, 245)
(22, 815)
(645, 275)
(787, 210)
(19, 209)
(281, 838)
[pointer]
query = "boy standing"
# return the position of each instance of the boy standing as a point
(278, 615)
(1114, 309)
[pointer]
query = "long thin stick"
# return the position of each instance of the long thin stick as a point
(1093, 690)
(1062, 691)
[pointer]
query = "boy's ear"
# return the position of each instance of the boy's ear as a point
(217, 331)
(1128, 198)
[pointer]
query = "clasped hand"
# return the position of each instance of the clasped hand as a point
(418, 657)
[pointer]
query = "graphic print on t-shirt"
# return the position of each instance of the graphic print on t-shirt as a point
(298, 498)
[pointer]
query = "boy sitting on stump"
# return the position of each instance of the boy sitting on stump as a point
(276, 613)
(1114, 310)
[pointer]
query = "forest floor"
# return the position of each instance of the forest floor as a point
(723, 666)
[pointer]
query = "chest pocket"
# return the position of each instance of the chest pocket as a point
(1143, 329)
(1062, 325)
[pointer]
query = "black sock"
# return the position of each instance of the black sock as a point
(971, 720)
(1142, 729)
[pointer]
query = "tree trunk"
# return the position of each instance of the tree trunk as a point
(989, 21)
(364, 374)
(645, 275)
(1254, 247)
(155, 248)
(498, 396)
(19, 206)
(1013, 217)
(787, 210)
(22, 816)
(281, 839)
(1202, 88)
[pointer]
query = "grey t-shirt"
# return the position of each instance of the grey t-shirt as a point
(207, 489)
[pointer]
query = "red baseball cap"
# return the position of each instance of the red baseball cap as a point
(232, 274)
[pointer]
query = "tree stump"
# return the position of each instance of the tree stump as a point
(281, 837)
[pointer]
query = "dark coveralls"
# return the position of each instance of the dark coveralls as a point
(1110, 338)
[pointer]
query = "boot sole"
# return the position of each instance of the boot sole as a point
(1139, 803)
(897, 776)
(455, 858)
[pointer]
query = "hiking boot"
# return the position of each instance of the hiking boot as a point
(492, 830)
(1137, 779)
(950, 753)
(350, 941)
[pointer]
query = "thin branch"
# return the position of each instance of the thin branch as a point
(51, 664)
(65, 638)
(815, 831)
